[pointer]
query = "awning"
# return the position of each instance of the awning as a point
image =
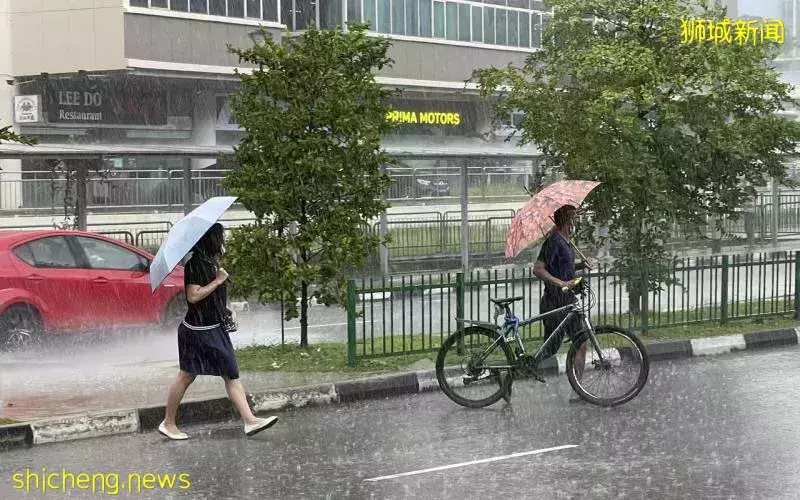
(95, 151)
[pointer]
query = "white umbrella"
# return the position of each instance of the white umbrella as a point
(183, 236)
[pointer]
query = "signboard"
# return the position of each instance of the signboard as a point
(27, 109)
(446, 118)
(105, 101)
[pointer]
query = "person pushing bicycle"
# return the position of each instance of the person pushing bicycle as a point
(556, 267)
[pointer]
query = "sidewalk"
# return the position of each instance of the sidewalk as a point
(92, 416)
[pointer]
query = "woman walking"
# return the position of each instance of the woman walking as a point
(204, 345)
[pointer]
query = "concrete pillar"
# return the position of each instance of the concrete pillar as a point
(204, 133)
(10, 170)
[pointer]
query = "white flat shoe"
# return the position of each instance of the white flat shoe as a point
(176, 437)
(252, 430)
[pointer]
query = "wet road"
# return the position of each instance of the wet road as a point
(721, 427)
(125, 369)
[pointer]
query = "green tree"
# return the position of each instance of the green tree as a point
(676, 132)
(8, 135)
(310, 165)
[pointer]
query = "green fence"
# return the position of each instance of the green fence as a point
(414, 314)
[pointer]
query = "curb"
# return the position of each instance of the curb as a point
(61, 429)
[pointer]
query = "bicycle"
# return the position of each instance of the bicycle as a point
(480, 369)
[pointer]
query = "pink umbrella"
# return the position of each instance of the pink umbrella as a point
(535, 220)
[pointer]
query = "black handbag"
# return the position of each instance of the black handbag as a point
(226, 320)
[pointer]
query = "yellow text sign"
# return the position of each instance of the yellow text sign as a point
(726, 31)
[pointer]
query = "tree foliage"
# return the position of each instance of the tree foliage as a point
(310, 164)
(8, 135)
(675, 132)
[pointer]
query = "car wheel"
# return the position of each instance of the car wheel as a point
(20, 326)
(175, 312)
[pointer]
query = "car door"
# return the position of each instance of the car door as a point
(50, 270)
(122, 277)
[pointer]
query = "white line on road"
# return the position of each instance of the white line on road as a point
(473, 462)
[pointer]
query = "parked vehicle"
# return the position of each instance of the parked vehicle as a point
(56, 281)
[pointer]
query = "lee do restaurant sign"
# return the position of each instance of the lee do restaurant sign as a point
(105, 102)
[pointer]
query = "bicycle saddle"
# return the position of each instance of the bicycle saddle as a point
(505, 301)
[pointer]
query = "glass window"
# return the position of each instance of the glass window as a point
(270, 10)
(546, 20)
(477, 24)
(524, 29)
(488, 25)
(254, 9)
(425, 10)
(538, 5)
(412, 17)
(53, 252)
(216, 7)
(384, 16)
(199, 6)
(398, 17)
(353, 11)
(139, 3)
(330, 16)
(25, 253)
(305, 13)
(179, 5)
(520, 4)
(159, 3)
(371, 14)
(236, 8)
(500, 26)
(438, 19)
(464, 23)
(104, 255)
(287, 14)
(452, 21)
(513, 28)
(536, 30)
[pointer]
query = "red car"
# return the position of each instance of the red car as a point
(56, 281)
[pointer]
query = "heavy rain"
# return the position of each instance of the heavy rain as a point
(384, 249)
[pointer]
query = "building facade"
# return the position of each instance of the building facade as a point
(157, 73)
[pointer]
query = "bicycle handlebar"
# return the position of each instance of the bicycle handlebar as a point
(574, 283)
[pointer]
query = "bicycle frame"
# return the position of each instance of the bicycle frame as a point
(509, 332)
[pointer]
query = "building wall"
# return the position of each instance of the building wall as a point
(59, 36)
(451, 63)
(185, 41)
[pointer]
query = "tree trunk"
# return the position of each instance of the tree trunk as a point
(304, 314)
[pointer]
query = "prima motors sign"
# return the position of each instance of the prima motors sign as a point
(26, 109)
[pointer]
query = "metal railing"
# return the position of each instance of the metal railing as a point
(138, 190)
(414, 314)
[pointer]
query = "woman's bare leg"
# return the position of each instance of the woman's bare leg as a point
(176, 392)
(238, 397)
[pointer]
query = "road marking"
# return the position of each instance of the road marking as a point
(473, 462)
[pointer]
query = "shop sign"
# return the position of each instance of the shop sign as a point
(437, 118)
(105, 102)
(26, 108)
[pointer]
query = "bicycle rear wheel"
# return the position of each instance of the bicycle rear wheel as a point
(623, 369)
(465, 367)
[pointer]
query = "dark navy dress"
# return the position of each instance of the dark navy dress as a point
(204, 348)
(558, 258)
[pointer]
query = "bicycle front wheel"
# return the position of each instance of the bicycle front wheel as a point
(613, 377)
(473, 367)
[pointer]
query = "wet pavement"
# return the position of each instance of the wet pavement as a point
(124, 369)
(722, 427)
